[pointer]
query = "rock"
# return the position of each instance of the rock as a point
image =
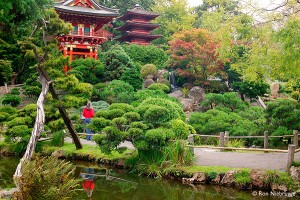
(197, 94)
(295, 173)
(278, 187)
(162, 75)
(188, 180)
(177, 94)
(257, 178)
(274, 90)
(7, 194)
(121, 163)
(188, 104)
(228, 179)
(217, 180)
(148, 82)
(59, 154)
(199, 177)
(150, 76)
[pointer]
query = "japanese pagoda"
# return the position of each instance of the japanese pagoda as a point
(138, 27)
(87, 18)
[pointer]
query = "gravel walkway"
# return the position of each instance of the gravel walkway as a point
(209, 157)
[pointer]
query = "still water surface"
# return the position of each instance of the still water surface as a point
(111, 184)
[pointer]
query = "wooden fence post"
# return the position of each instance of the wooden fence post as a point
(192, 142)
(291, 155)
(296, 138)
(222, 140)
(266, 139)
(226, 139)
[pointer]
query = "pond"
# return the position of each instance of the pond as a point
(112, 184)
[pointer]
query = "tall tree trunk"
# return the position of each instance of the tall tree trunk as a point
(63, 113)
(38, 126)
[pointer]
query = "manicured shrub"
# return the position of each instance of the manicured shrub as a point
(110, 114)
(20, 121)
(18, 132)
(28, 110)
(132, 116)
(10, 99)
(118, 92)
(97, 124)
(181, 129)
(3, 116)
(56, 125)
(148, 69)
(123, 106)
(158, 138)
(296, 95)
(32, 91)
(159, 86)
(8, 109)
(174, 110)
(57, 139)
(139, 125)
(15, 91)
(133, 77)
(157, 115)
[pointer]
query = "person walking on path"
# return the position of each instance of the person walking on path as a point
(88, 113)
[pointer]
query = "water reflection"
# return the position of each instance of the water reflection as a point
(88, 181)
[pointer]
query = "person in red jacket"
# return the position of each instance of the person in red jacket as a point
(88, 114)
(88, 182)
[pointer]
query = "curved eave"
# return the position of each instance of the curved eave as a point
(128, 15)
(134, 24)
(129, 34)
(85, 11)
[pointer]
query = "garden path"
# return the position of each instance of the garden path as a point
(209, 157)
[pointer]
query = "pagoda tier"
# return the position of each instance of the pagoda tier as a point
(138, 26)
(87, 18)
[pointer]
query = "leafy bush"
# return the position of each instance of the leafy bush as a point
(118, 92)
(157, 114)
(110, 114)
(3, 116)
(133, 77)
(10, 99)
(142, 95)
(8, 109)
(242, 177)
(19, 131)
(15, 91)
(251, 89)
(32, 91)
(20, 121)
(148, 69)
(28, 110)
(56, 125)
(97, 124)
(296, 95)
(181, 129)
(172, 110)
(51, 179)
(57, 139)
(281, 130)
(142, 55)
(159, 86)
(123, 106)
(158, 138)
(132, 116)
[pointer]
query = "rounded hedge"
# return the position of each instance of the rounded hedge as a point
(159, 86)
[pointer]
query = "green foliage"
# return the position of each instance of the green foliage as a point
(158, 138)
(133, 77)
(284, 113)
(10, 99)
(171, 110)
(215, 121)
(159, 86)
(28, 110)
(116, 63)
(87, 70)
(18, 131)
(277, 177)
(251, 89)
(15, 91)
(236, 143)
(98, 123)
(56, 125)
(281, 130)
(228, 100)
(118, 92)
(242, 177)
(181, 129)
(8, 109)
(142, 55)
(57, 139)
(132, 116)
(32, 91)
(123, 106)
(20, 121)
(148, 69)
(142, 95)
(51, 179)
(110, 114)
(3, 116)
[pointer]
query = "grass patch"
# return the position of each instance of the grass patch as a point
(90, 152)
(242, 177)
(280, 178)
(209, 169)
(295, 163)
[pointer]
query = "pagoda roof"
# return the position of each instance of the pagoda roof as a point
(130, 34)
(138, 10)
(85, 7)
(137, 24)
